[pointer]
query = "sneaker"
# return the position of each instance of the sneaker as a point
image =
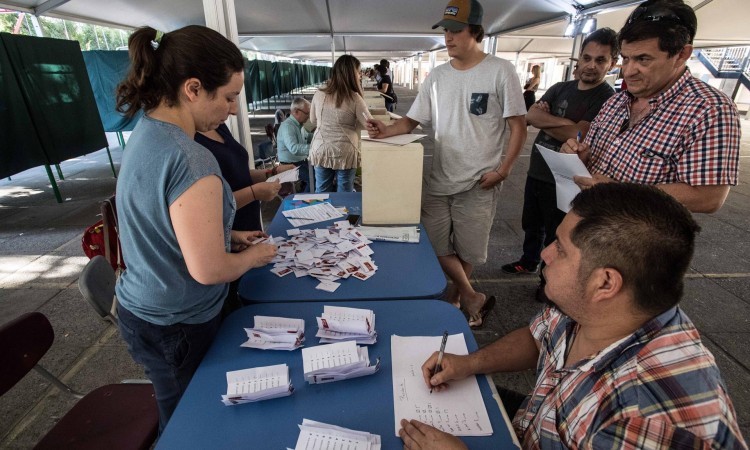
(518, 268)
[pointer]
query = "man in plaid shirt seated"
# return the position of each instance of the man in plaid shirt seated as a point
(668, 129)
(618, 363)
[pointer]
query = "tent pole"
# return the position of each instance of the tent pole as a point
(59, 172)
(52, 182)
(111, 164)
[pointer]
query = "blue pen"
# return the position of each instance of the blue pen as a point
(578, 137)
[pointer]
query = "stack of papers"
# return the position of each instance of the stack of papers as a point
(260, 383)
(307, 215)
(340, 324)
(275, 333)
(334, 362)
(328, 255)
(317, 435)
(391, 234)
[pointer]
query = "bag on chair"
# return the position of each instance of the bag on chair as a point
(102, 238)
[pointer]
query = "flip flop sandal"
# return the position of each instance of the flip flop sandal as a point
(476, 322)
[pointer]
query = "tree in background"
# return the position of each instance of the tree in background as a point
(89, 37)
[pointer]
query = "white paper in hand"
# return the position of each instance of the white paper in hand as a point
(564, 167)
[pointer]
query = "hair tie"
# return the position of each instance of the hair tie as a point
(157, 40)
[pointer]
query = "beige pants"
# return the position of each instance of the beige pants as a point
(460, 224)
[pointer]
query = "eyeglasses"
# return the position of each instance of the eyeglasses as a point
(654, 13)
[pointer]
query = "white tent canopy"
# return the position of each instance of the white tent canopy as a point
(393, 29)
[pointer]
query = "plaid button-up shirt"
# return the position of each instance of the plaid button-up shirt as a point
(691, 135)
(657, 388)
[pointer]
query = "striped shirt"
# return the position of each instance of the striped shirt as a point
(657, 388)
(691, 135)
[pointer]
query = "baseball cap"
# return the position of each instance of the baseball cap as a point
(460, 13)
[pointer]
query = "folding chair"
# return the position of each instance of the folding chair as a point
(97, 285)
(112, 417)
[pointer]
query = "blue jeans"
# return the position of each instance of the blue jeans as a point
(344, 179)
(170, 354)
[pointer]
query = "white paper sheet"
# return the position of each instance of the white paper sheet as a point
(308, 215)
(458, 410)
(311, 197)
(288, 176)
(392, 234)
(400, 139)
(564, 167)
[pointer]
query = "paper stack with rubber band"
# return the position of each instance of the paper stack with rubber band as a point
(339, 324)
(259, 383)
(318, 435)
(334, 362)
(275, 333)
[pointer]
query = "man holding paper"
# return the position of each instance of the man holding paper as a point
(618, 363)
(565, 111)
(293, 141)
(668, 129)
(472, 103)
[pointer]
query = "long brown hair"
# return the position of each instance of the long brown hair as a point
(158, 69)
(343, 83)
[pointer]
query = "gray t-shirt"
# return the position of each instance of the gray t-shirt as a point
(160, 164)
(566, 100)
(467, 110)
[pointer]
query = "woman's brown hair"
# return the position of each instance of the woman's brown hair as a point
(157, 69)
(343, 83)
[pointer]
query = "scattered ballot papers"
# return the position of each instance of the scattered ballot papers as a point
(275, 333)
(319, 212)
(317, 435)
(334, 362)
(346, 324)
(328, 255)
(260, 383)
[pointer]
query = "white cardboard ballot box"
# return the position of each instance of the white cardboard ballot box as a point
(375, 102)
(391, 183)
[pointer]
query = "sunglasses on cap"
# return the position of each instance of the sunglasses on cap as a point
(657, 13)
(653, 13)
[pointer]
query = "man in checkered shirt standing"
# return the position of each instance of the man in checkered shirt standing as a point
(619, 365)
(668, 129)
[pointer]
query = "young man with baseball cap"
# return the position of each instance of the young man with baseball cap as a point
(472, 103)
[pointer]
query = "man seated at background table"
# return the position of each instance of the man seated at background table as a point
(619, 364)
(669, 128)
(293, 141)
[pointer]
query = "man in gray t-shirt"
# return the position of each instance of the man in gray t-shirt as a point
(565, 111)
(472, 102)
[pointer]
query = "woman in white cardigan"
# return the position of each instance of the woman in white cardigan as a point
(339, 113)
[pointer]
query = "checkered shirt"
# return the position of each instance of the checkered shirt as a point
(658, 388)
(691, 135)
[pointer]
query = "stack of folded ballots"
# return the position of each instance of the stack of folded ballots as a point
(346, 324)
(322, 435)
(327, 254)
(275, 333)
(334, 362)
(260, 383)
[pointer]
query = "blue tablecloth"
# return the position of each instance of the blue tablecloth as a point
(405, 271)
(201, 421)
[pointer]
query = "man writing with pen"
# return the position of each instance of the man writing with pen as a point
(618, 363)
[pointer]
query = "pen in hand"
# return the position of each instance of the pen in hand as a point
(578, 137)
(438, 365)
